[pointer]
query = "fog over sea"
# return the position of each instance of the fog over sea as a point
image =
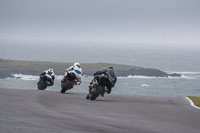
(180, 60)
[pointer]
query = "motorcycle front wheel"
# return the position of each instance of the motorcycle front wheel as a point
(96, 92)
(66, 86)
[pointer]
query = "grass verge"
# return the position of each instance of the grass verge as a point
(196, 100)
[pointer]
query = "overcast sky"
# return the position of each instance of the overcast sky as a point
(143, 22)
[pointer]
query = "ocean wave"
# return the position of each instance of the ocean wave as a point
(183, 76)
(34, 77)
(153, 77)
(140, 77)
(59, 77)
(145, 85)
(25, 77)
(185, 72)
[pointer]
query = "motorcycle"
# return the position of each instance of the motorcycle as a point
(42, 84)
(100, 85)
(68, 81)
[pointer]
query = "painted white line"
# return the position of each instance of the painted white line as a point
(191, 102)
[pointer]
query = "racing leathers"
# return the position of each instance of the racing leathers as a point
(76, 69)
(107, 71)
(50, 76)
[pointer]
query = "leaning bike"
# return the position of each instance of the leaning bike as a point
(101, 84)
(42, 84)
(67, 82)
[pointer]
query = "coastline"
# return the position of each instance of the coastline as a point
(9, 67)
(46, 111)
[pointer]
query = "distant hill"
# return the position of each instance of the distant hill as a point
(9, 67)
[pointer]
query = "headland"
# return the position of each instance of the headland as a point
(9, 67)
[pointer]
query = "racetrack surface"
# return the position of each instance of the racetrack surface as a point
(35, 111)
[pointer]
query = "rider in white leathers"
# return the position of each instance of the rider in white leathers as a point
(76, 69)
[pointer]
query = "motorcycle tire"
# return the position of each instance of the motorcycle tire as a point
(41, 86)
(96, 92)
(66, 86)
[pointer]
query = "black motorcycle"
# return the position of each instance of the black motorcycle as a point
(68, 81)
(100, 84)
(42, 84)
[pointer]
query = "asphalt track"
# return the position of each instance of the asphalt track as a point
(34, 111)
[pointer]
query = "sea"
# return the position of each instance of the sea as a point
(184, 61)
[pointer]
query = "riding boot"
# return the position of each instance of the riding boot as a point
(88, 96)
(103, 92)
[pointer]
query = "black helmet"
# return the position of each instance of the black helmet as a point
(110, 67)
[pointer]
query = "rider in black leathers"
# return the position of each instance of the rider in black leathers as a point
(107, 71)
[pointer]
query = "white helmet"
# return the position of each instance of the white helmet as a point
(76, 64)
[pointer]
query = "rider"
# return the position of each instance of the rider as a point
(108, 71)
(76, 69)
(50, 76)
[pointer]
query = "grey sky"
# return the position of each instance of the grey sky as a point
(143, 22)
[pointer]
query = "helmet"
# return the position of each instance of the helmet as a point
(76, 63)
(50, 69)
(110, 67)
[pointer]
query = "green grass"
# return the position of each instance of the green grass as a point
(195, 99)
